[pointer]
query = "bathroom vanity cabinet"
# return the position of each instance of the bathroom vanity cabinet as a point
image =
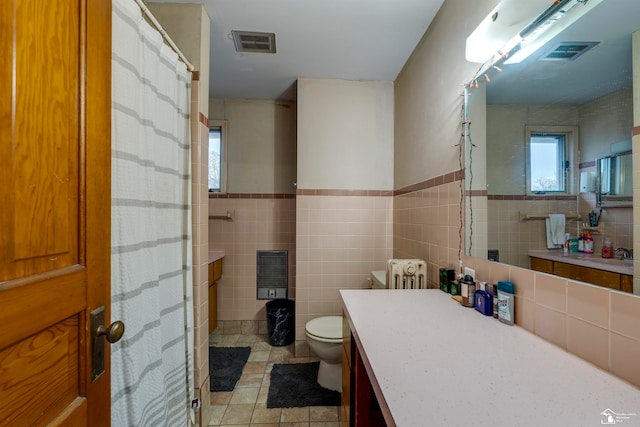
(359, 404)
(215, 272)
(597, 276)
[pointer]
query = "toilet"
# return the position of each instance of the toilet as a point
(324, 336)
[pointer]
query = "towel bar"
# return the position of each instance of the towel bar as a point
(227, 216)
(569, 216)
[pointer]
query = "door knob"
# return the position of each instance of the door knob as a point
(113, 333)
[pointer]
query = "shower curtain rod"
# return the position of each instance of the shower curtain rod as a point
(165, 36)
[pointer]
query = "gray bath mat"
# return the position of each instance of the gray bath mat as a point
(225, 366)
(295, 385)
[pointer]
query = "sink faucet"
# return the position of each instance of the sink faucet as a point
(626, 253)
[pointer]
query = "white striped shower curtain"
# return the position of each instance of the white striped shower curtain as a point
(151, 289)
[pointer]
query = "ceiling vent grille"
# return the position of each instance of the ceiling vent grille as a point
(249, 41)
(568, 51)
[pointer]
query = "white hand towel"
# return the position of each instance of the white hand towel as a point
(557, 226)
(550, 244)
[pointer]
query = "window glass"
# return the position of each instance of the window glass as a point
(547, 163)
(215, 159)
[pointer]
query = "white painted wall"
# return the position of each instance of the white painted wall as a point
(345, 134)
(188, 26)
(261, 144)
(427, 101)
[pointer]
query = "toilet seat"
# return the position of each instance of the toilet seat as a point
(325, 329)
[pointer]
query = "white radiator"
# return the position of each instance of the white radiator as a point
(406, 274)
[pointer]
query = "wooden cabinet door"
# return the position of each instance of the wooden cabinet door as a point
(543, 265)
(602, 278)
(626, 283)
(55, 95)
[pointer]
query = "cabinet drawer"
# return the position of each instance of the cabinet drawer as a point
(589, 275)
(543, 265)
(566, 270)
(602, 278)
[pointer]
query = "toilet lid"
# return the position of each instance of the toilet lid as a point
(328, 327)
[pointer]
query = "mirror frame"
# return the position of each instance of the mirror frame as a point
(613, 201)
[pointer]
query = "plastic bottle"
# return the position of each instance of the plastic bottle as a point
(468, 291)
(607, 248)
(566, 244)
(588, 243)
(494, 296)
(581, 242)
(506, 291)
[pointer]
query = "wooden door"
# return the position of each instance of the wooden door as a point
(55, 93)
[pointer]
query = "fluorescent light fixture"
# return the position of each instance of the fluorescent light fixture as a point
(546, 28)
(502, 31)
(500, 26)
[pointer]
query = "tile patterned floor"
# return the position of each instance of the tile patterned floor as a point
(246, 405)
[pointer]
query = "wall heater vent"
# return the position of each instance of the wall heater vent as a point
(272, 269)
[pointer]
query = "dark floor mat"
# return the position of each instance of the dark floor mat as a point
(296, 385)
(225, 366)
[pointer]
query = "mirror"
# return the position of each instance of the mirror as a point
(577, 86)
(614, 182)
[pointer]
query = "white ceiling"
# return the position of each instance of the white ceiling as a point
(602, 70)
(342, 39)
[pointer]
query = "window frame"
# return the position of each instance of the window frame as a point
(571, 155)
(222, 125)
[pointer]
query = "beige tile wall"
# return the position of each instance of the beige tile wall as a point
(426, 225)
(599, 325)
(514, 238)
(258, 224)
(200, 245)
(339, 241)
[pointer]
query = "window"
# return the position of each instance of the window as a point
(217, 152)
(547, 163)
(549, 155)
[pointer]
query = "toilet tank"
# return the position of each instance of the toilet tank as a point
(379, 279)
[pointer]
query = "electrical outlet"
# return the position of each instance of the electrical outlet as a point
(470, 272)
(271, 293)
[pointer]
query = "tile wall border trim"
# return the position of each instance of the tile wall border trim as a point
(521, 197)
(447, 178)
(636, 130)
(345, 193)
(203, 119)
(195, 76)
(251, 196)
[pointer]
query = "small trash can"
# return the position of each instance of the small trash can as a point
(280, 321)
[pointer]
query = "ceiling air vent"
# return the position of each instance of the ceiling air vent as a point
(250, 41)
(567, 51)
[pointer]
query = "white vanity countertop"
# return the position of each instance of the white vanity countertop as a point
(433, 362)
(615, 265)
(215, 255)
